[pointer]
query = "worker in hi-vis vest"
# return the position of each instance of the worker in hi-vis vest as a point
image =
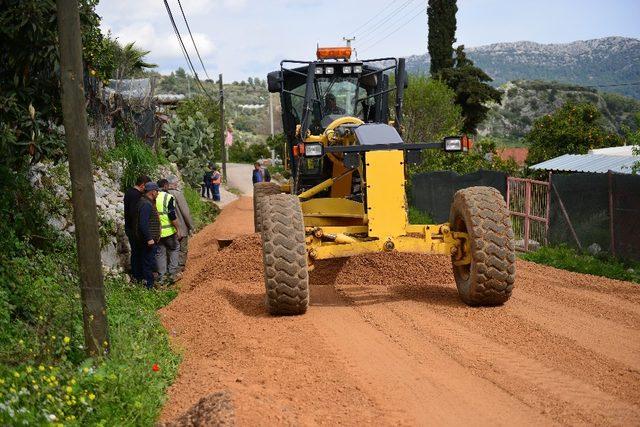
(169, 245)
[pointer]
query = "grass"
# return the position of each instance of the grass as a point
(235, 191)
(417, 216)
(202, 212)
(569, 259)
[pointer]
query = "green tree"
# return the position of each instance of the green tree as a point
(442, 33)
(129, 60)
(572, 129)
(30, 111)
(278, 143)
(471, 88)
(430, 110)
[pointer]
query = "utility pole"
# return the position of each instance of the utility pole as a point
(348, 40)
(223, 146)
(94, 312)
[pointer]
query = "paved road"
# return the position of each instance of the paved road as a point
(386, 341)
(239, 177)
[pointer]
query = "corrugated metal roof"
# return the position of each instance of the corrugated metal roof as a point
(596, 163)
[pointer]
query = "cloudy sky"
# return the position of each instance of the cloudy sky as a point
(243, 38)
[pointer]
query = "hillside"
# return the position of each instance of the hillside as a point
(524, 101)
(605, 61)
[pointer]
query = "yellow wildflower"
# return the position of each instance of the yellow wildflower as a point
(68, 390)
(85, 370)
(40, 368)
(92, 396)
(66, 340)
(16, 374)
(29, 369)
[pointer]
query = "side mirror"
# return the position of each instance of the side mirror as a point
(274, 81)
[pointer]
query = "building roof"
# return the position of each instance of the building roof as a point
(596, 163)
(624, 150)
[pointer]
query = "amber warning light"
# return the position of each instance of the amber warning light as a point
(334, 52)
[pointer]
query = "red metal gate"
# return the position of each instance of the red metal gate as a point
(528, 202)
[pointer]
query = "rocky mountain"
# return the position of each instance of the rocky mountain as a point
(525, 101)
(599, 62)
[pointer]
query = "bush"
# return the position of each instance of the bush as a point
(138, 158)
(569, 259)
(202, 212)
(191, 144)
(240, 152)
(572, 129)
(430, 112)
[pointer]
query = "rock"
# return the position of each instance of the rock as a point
(58, 223)
(594, 249)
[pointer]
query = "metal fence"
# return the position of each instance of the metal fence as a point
(588, 211)
(528, 202)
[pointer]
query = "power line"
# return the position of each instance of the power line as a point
(192, 40)
(371, 31)
(370, 45)
(374, 16)
(184, 51)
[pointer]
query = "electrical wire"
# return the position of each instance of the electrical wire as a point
(370, 45)
(192, 40)
(184, 51)
(373, 30)
(374, 16)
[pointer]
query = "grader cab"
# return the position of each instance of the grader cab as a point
(346, 195)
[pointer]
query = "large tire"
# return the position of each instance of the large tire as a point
(284, 253)
(260, 191)
(482, 213)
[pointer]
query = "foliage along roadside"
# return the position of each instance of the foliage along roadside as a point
(569, 259)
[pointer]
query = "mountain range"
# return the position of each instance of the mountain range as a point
(610, 64)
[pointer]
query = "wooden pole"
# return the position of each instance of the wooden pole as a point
(223, 128)
(94, 313)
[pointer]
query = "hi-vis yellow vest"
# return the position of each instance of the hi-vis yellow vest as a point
(162, 205)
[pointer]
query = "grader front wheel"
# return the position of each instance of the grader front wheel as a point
(260, 191)
(481, 212)
(284, 254)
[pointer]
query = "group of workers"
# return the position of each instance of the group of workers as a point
(158, 224)
(211, 183)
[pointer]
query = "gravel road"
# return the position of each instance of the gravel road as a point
(386, 341)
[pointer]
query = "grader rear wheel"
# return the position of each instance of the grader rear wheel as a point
(482, 213)
(260, 191)
(284, 254)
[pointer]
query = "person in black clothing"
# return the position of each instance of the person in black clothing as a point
(131, 198)
(207, 186)
(260, 175)
(148, 231)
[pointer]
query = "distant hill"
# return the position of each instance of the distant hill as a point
(606, 61)
(525, 101)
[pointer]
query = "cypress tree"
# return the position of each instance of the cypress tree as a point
(442, 33)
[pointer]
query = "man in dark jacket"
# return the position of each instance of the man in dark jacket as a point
(207, 188)
(259, 174)
(131, 198)
(148, 231)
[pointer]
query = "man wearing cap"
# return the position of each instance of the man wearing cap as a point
(147, 228)
(167, 255)
(185, 223)
(131, 198)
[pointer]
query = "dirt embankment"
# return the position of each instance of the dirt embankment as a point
(386, 341)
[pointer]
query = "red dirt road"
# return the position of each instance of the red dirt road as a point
(386, 341)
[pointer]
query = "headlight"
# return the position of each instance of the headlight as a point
(357, 69)
(318, 70)
(328, 70)
(452, 143)
(346, 69)
(313, 150)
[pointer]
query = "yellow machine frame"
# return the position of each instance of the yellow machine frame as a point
(338, 227)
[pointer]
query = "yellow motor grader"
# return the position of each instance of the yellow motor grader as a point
(346, 195)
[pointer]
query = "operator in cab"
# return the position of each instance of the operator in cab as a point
(330, 106)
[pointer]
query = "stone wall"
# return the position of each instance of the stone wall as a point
(109, 202)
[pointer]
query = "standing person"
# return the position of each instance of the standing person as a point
(207, 182)
(147, 230)
(216, 179)
(131, 198)
(259, 174)
(185, 224)
(167, 256)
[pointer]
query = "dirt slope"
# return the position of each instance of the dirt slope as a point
(387, 342)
